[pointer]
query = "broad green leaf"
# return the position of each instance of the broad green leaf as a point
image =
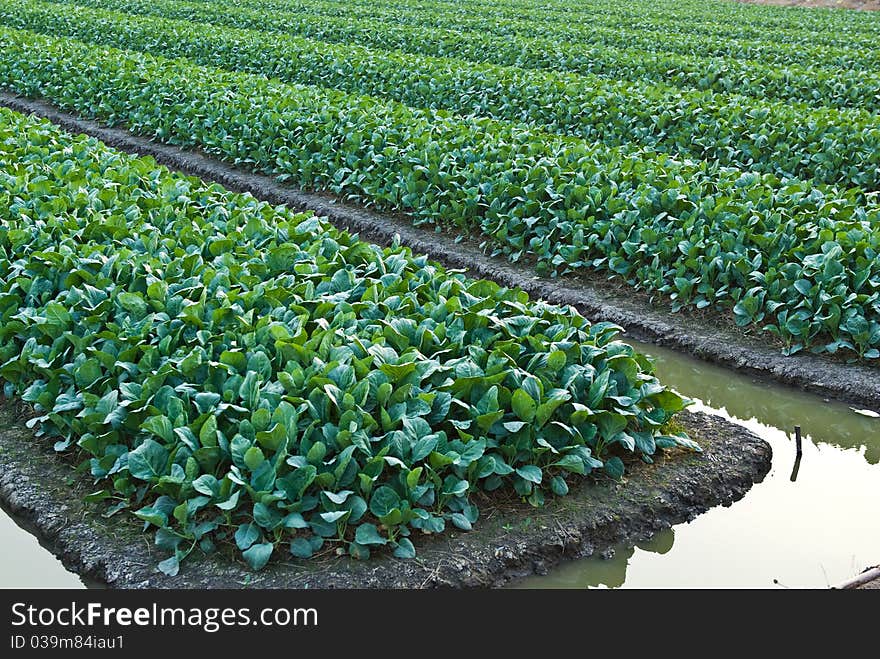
(368, 534)
(524, 406)
(258, 555)
(246, 535)
(614, 467)
(530, 473)
(149, 461)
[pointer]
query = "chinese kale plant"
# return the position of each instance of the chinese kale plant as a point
(238, 373)
(781, 256)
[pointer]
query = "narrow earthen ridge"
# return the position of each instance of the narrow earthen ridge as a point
(855, 384)
(510, 540)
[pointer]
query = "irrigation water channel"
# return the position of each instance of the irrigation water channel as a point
(813, 528)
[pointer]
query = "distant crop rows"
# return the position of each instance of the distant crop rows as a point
(717, 19)
(239, 374)
(824, 145)
(598, 27)
(797, 259)
(840, 87)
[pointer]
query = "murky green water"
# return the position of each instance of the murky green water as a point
(814, 531)
(26, 563)
(813, 527)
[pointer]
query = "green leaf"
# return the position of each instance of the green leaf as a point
(614, 467)
(556, 360)
(133, 303)
(530, 473)
(100, 495)
(170, 566)
(161, 426)
(253, 457)
(298, 481)
(383, 501)
(515, 426)
(206, 484)
(294, 521)
(572, 463)
(206, 401)
(57, 315)
(154, 515)
(263, 477)
(267, 516)
(246, 535)
(338, 497)
(423, 447)
(333, 516)
(358, 551)
(598, 389)
(249, 391)
(524, 406)
(461, 522)
(316, 453)
(368, 534)
(231, 503)
(404, 549)
(208, 432)
(149, 461)
(301, 548)
(559, 486)
(258, 555)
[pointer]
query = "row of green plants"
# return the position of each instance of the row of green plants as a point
(736, 17)
(852, 32)
(748, 16)
(840, 87)
(825, 145)
(237, 374)
(790, 258)
(602, 30)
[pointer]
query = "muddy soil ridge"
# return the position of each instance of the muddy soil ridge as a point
(594, 297)
(510, 540)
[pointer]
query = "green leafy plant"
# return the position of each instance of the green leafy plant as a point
(802, 71)
(244, 375)
(704, 235)
(783, 138)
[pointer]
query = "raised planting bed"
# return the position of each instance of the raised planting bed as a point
(784, 256)
(240, 375)
(728, 128)
(696, 333)
(510, 540)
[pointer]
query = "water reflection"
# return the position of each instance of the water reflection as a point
(811, 523)
(597, 572)
(777, 406)
(27, 563)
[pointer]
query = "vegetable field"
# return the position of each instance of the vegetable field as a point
(708, 166)
(238, 374)
(282, 374)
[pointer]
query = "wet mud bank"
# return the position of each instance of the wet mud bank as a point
(868, 579)
(871, 585)
(510, 540)
(856, 384)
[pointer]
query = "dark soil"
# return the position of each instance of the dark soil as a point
(698, 334)
(511, 539)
